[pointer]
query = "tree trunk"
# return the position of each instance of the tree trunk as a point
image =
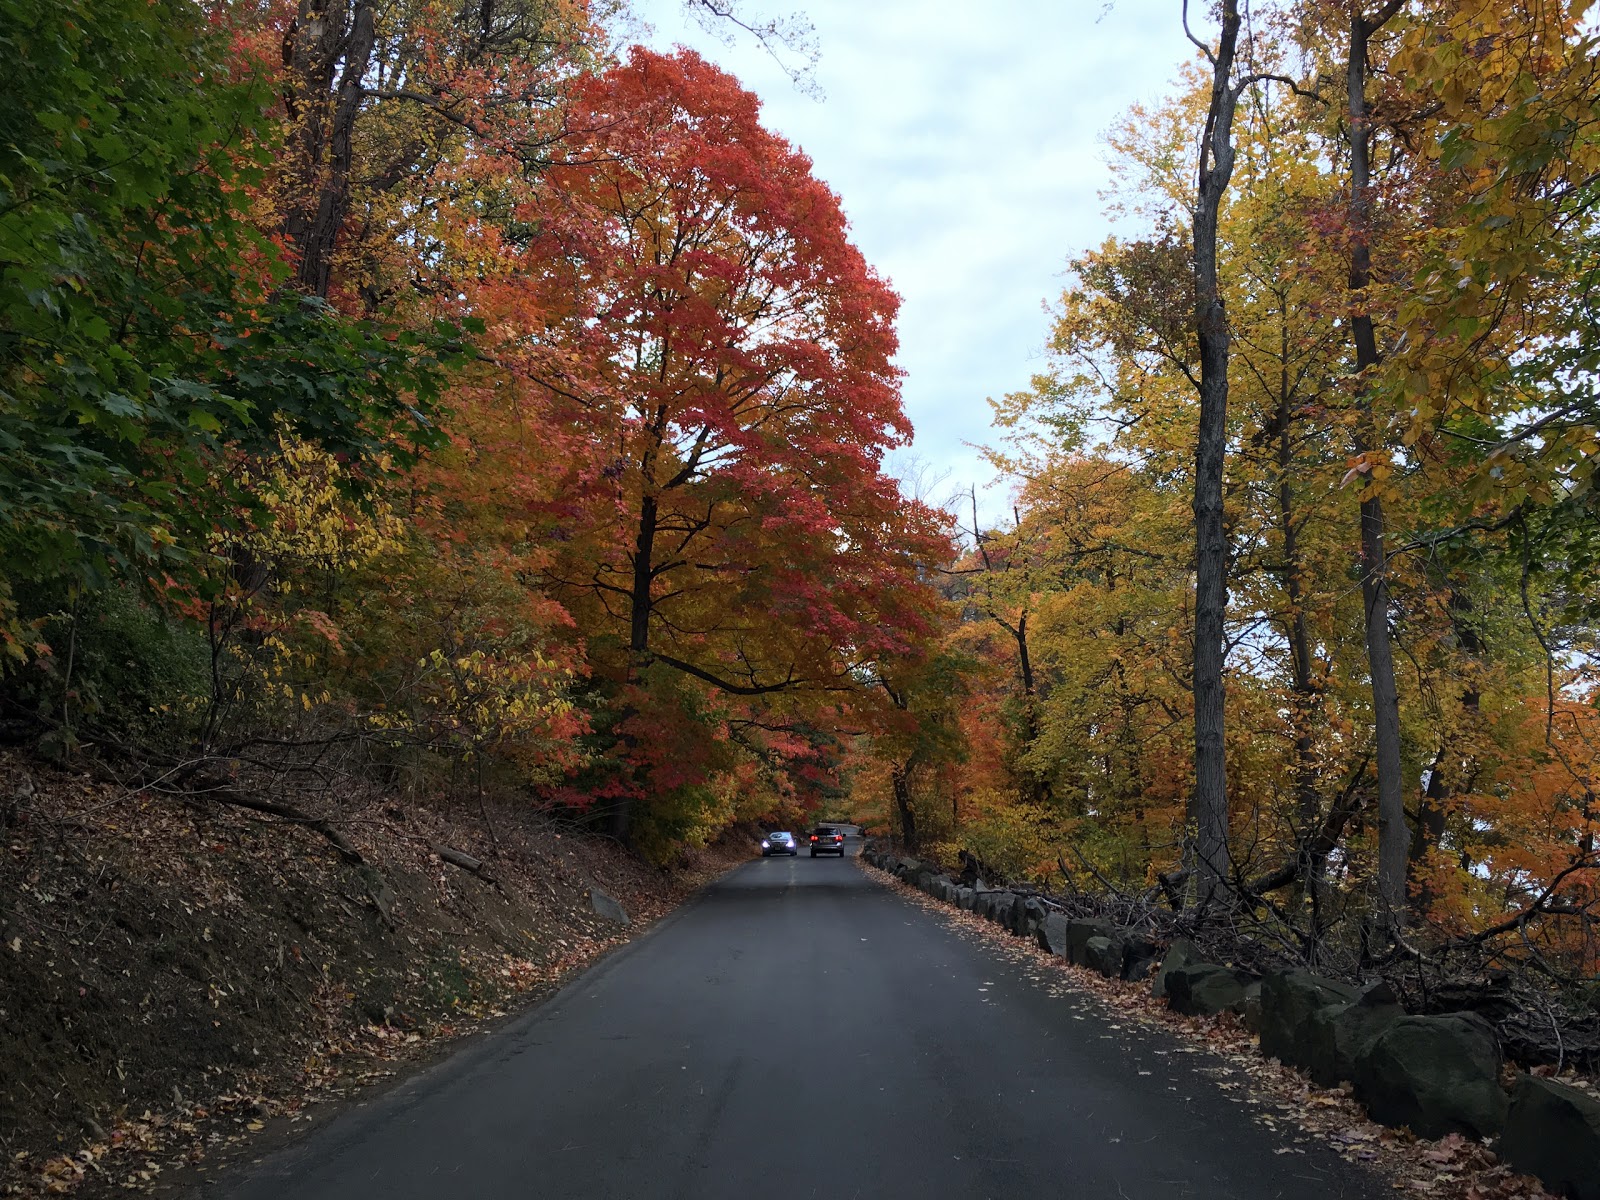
(640, 603)
(644, 561)
(327, 38)
(1039, 785)
(1433, 808)
(1393, 836)
(902, 802)
(1307, 695)
(1302, 677)
(1208, 812)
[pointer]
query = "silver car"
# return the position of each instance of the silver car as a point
(779, 843)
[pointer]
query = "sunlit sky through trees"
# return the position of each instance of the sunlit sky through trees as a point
(965, 141)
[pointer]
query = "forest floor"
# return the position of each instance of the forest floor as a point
(177, 976)
(1451, 1168)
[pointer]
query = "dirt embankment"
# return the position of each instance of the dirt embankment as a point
(174, 974)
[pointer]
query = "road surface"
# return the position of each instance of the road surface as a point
(802, 1031)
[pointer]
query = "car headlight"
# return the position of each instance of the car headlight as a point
(764, 846)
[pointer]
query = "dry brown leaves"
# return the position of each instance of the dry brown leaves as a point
(545, 935)
(1451, 1168)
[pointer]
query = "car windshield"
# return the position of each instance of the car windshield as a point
(779, 837)
(827, 832)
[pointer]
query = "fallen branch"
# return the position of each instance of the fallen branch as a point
(469, 864)
(1547, 904)
(335, 837)
(1090, 867)
(1315, 850)
(223, 792)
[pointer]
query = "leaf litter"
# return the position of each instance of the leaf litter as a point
(1277, 1097)
(178, 981)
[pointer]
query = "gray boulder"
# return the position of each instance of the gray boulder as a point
(1080, 931)
(607, 907)
(1553, 1131)
(1103, 954)
(1140, 956)
(1205, 989)
(1000, 908)
(1134, 968)
(1052, 933)
(965, 897)
(1013, 915)
(1027, 913)
(1437, 1075)
(1181, 953)
(1288, 998)
(1336, 1036)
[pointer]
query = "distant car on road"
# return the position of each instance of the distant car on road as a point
(826, 840)
(779, 843)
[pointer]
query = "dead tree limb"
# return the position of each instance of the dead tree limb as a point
(222, 791)
(469, 864)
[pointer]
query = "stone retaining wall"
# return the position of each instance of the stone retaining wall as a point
(1436, 1075)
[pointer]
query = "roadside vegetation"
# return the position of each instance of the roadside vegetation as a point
(427, 433)
(1376, 751)
(430, 431)
(444, 401)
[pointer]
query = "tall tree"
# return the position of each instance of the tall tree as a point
(1209, 810)
(1393, 836)
(721, 355)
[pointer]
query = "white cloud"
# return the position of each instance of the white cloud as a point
(964, 140)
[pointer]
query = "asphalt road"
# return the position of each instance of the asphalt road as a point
(800, 1031)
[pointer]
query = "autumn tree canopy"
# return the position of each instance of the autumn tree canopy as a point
(1382, 266)
(438, 386)
(720, 358)
(438, 396)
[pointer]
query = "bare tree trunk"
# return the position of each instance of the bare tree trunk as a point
(327, 39)
(640, 605)
(1039, 787)
(1208, 810)
(644, 561)
(1393, 836)
(1302, 678)
(902, 801)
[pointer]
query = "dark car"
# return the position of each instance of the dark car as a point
(827, 841)
(779, 843)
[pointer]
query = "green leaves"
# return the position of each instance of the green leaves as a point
(144, 337)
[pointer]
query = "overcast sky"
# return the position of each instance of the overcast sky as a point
(965, 141)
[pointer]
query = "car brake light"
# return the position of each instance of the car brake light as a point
(813, 837)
